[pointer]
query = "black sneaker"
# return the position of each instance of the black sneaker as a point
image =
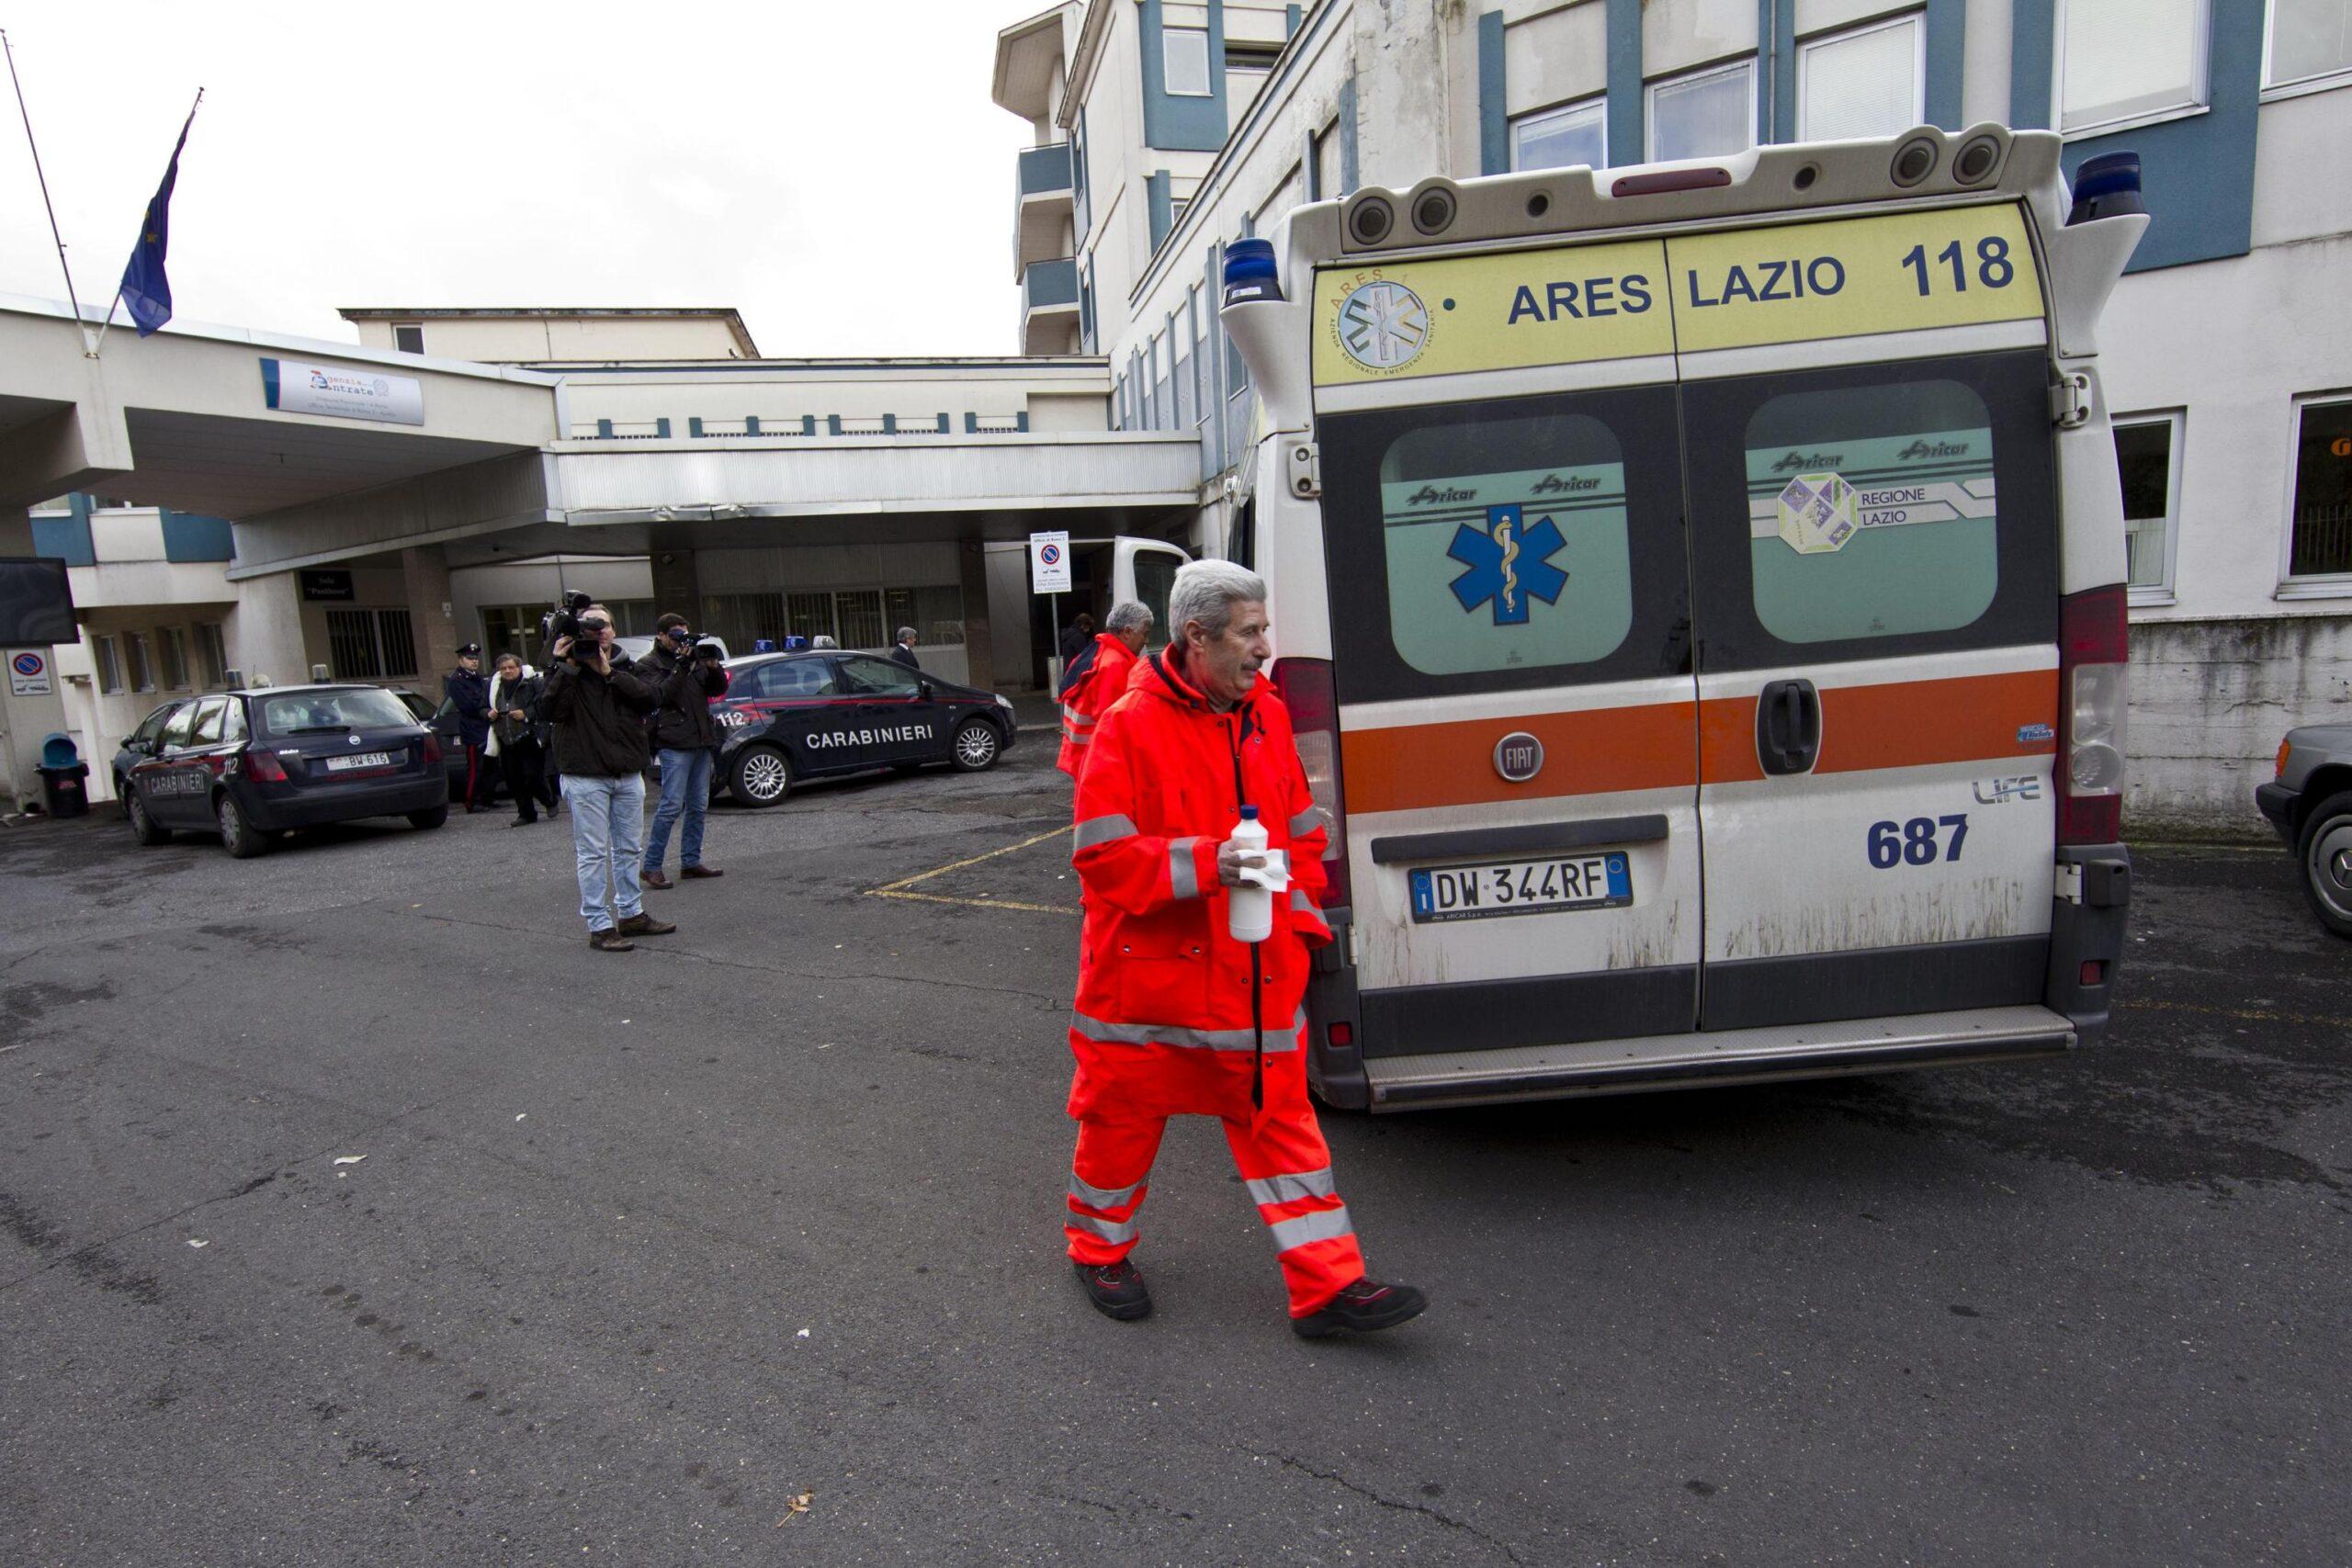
(1115, 1289)
(1361, 1307)
(610, 940)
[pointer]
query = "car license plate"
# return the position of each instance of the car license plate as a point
(1523, 887)
(359, 760)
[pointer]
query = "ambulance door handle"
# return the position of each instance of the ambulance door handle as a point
(1788, 726)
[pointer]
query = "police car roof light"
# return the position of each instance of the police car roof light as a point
(1670, 179)
(2106, 187)
(1251, 272)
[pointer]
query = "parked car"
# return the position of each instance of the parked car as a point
(792, 716)
(2310, 802)
(441, 718)
(249, 764)
(139, 744)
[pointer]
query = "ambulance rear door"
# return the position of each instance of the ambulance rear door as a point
(1874, 578)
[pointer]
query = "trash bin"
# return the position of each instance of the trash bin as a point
(65, 778)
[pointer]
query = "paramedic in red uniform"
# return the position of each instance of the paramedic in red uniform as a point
(1176, 1017)
(1098, 677)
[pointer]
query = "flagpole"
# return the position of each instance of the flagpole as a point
(106, 325)
(88, 350)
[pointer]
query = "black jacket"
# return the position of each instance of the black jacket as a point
(599, 720)
(905, 655)
(682, 688)
(468, 692)
(528, 693)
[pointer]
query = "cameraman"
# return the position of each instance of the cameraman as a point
(686, 675)
(598, 702)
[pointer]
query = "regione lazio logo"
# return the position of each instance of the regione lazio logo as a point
(1509, 563)
(1383, 325)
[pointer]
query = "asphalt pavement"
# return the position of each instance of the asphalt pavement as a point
(353, 1210)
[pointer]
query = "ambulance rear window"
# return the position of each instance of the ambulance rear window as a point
(1506, 544)
(1871, 512)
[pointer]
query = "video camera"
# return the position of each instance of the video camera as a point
(705, 651)
(564, 619)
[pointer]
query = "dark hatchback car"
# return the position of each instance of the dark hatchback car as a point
(140, 745)
(249, 764)
(787, 717)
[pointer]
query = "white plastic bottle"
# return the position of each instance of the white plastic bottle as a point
(1249, 909)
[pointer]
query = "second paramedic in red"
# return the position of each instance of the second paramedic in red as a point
(1175, 1016)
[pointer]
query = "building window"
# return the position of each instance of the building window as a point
(172, 643)
(1184, 60)
(211, 653)
(1707, 114)
(141, 660)
(102, 653)
(2123, 61)
(2310, 44)
(936, 614)
(2147, 454)
(2319, 541)
(371, 644)
(1867, 82)
(1562, 138)
(1247, 67)
(407, 337)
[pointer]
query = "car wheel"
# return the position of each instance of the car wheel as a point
(432, 817)
(143, 828)
(2324, 851)
(239, 837)
(761, 776)
(975, 747)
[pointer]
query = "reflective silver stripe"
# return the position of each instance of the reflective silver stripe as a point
(1283, 1188)
(1301, 904)
(1179, 867)
(1102, 830)
(1277, 1039)
(1109, 1230)
(1307, 822)
(1322, 1225)
(1096, 1197)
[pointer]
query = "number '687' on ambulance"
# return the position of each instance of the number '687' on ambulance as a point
(1698, 590)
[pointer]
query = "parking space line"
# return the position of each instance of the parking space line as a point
(900, 888)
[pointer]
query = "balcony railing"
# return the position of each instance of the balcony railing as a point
(1046, 285)
(1044, 171)
(791, 426)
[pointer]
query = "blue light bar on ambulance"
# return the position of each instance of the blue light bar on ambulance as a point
(1250, 272)
(2105, 186)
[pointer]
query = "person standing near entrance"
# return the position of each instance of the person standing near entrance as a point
(515, 740)
(1175, 1015)
(685, 679)
(903, 650)
(469, 696)
(597, 704)
(1098, 677)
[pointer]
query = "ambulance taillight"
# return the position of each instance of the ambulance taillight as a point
(2092, 656)
(1306, 690)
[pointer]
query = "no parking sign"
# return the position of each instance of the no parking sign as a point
(28, 674)
(1049, 563)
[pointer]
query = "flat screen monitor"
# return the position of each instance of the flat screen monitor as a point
(36, 602)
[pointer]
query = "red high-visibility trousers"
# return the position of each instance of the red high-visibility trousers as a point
(1284, 1163)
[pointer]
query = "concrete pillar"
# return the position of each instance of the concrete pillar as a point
(431, 611)
(972, 577)
(677, 586)
(263, 632)
(1404, 106)
(25, 721)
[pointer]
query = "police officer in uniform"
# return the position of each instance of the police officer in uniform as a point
(468, 693)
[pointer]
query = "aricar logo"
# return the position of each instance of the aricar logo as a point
(1383, 325)
(1509, 563)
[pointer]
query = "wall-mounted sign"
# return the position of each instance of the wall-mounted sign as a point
(1049, 563)
(326, 583)
(28, 674)
(293, 386)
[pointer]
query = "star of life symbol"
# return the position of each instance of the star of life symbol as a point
(1383, 325)
(1509, 563)
(1816, 513)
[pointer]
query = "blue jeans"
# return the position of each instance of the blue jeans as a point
(607, 826)
(686, 787)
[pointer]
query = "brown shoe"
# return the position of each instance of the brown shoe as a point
(644, 925)
(655, 879)
(610, 940)
(698, 871)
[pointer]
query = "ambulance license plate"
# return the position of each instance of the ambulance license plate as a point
(1522, 888)
(359, 760)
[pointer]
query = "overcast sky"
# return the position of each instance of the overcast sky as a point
(834, 171)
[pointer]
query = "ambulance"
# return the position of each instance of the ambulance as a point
(1699, 591)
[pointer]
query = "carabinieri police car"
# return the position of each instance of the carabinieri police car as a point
(787, 717)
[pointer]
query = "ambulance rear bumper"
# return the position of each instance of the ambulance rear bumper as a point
(1718, 1057)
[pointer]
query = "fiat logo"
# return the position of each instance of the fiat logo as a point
(1519, 756)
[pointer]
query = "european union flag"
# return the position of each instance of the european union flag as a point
(145, 289)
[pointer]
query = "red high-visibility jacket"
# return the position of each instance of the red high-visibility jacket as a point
(1084, 702)
(1163, 1022)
